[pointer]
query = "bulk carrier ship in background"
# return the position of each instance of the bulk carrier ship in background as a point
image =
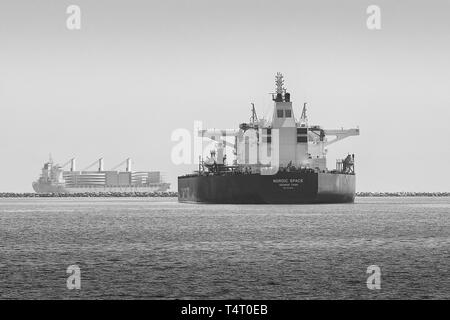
(54, 179)
(282, 161)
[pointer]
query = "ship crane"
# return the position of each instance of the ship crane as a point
(99, 162)
(340, 134)
(304, 118)
(66, 163)
(126, 161)
(215, 134)
(254, 117)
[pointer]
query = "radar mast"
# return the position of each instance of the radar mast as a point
(279, 82)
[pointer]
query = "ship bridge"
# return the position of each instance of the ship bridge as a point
(289, 141)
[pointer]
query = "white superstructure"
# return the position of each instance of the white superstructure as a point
(283, 142)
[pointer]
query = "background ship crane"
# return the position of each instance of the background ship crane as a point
(100, 165)
(66, 163)
(126, 161)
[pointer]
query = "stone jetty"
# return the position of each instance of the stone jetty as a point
(174, 194)
(403, 194)
(166, 194)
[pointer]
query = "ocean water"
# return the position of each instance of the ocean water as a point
(161, 249)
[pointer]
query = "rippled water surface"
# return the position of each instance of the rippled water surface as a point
(159, 248)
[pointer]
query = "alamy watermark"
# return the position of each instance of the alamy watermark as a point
(192, 147)
(74, 280)
(374, 19)
(373, 22)
(73, 21)
(374, 279)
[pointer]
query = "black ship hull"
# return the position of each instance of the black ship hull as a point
(281, 188)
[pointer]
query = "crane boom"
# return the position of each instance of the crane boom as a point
(66, 163)
(340, 134)
(126, 161)
(91, 165)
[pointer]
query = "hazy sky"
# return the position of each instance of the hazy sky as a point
(137, 70)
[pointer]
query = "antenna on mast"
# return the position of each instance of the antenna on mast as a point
(280, 94)
(279, 82)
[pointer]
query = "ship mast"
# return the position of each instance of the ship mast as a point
(254, 117)
(279, 82)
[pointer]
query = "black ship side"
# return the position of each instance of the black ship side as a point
(281, 188)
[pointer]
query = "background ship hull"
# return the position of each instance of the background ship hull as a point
(52, 188)
(282, 188)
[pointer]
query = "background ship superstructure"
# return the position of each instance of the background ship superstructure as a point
(277, 161)
(54, 179)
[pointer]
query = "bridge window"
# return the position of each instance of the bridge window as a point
(280, 113)
(288, 113)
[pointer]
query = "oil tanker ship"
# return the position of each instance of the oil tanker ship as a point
(277, 161)
(54, 179)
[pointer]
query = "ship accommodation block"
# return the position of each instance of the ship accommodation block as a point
(296, 145)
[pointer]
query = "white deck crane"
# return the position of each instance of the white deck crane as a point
(126, 161)
(340, 134)
(99, 162)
